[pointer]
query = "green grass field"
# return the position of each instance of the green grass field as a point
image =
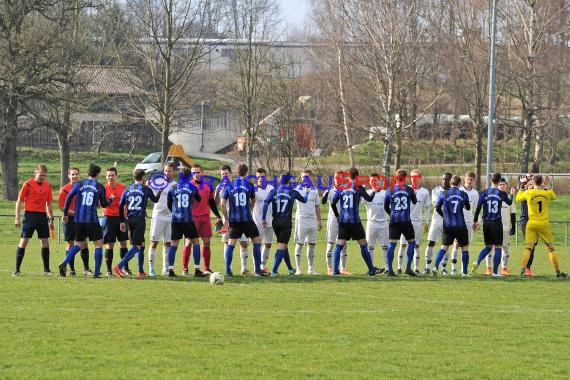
(285, 327)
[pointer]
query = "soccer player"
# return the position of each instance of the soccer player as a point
(69, 227)
(397, 203)
(36, 194)
(436, 225)
(491, 201)
(201, 213)
(226, 180)
(418, 221)
(376, 221)
(282, 200)
(236, 206)
(473, 194)
(526, 184)
(112, 221)
(161, 221)
(332, 231)
(450, 207)
(261, 192)
(349, 223)
(538, 226)
(508, 218)
(134, 199)
(88, 195)
(307, 223)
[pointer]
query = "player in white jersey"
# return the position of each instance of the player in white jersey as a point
(473, 194)
(307, 224)
(265, 233)
(161, 221)
(332, 233)
(436, 225)
(419, 213)
(226, 171)
(508, 218)
(377, 231)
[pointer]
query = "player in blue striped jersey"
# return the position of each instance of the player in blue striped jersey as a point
(134, 200)
(88, 194)
(450, 206)
(491, 201)
(397, 204)
(240, 195)
(349, 224)
(282, 200)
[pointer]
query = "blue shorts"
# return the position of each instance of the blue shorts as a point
(35, 221)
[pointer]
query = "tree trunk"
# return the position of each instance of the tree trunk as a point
(10, 153)
(387, 154)
(343, 107)
(64, 156)
(538, 148)
(526, 142)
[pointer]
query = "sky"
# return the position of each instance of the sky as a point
(293, 11)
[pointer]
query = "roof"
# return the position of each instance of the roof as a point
(110, 80)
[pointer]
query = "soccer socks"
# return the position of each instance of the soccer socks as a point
(264, 255)
(165, 255)
(530, 259)
(464, 261)
(336, 258)
(279, 254)
(298, 252)
(497, 259)
(228, 256)
(71, 262)
(287, 260)
(366, 256)
(151, 258)
(505, 257)
(554, 260)
(140, 260)
(454, 259)
(196, 255)
(483, 254)
(206, 255)
(429, 255)
(390, 256)
(385, 255)
(401, 255)
(85, 258)
(344, 256)
(122, 254)
(439, 257)
(71, 253)
(128, 256)
(489, 261)
(371, 253)
(243, 257)
(20, 252)
(329, 255)
(185, 257)
(526, 258)
(311, 257)
(45, 259)
(257, 257)
(109, 259)
(416, 258)
(410, 254)
(98, 256)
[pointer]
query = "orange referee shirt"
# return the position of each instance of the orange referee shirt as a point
(35, 195)
(63, 195)
(113, 208)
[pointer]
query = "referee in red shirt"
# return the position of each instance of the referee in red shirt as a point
(36, 194)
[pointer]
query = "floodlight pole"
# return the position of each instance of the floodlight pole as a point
(491, 114)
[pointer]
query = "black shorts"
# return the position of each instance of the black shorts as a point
(282, 228)
(249, 229)
(89, 230)
(348, 231)
(493, 232)
(137, 228)
(186, 229)
(398, 229)
(69, 229)
(112, 230)
(455, 232)
(35, 221)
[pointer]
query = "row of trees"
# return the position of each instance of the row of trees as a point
(382, 64)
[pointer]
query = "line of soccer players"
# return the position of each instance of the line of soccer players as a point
(182, 211)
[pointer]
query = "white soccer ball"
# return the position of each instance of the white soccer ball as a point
(217, 278)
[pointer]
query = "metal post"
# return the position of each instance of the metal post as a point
(491, 114)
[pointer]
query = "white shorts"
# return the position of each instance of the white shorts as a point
(305, 233)
(332, 230)
(265, 234)
(435, 230)
(377, 233)
(226, 238)
(418, 231)
(160, 230)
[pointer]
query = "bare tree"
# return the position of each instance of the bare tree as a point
(169, 46)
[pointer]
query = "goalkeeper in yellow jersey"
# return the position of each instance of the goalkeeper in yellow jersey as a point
(538, 226)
